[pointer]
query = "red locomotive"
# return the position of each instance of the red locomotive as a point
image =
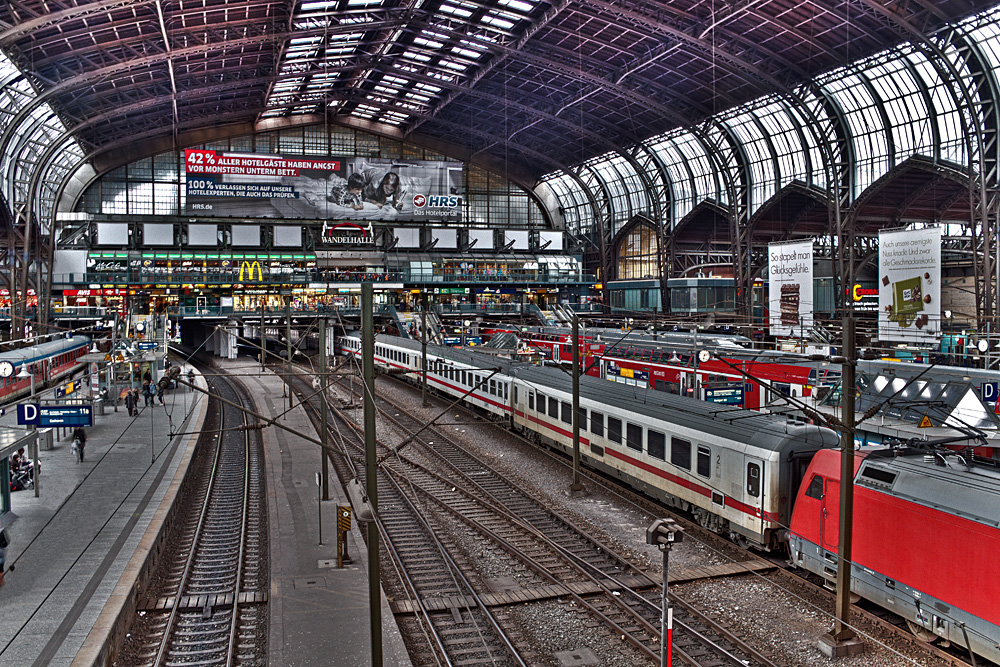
(926, 529)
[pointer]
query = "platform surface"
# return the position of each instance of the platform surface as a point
(71, 544)
(319, 613)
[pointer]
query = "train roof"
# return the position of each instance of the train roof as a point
(941, 479)
(637, 336)
(764, 430)
(28, 355)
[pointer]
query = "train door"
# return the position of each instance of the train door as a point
(689, 384)
(753, 492)
(829, 527)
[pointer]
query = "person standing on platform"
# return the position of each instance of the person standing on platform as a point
(4, 543)
(131, 402)
(159, 391)
(79, 442)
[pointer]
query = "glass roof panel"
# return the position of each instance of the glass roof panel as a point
(905, 106)
(868, 132)
(763, 177)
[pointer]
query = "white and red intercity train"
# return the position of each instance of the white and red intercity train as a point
(927, 524)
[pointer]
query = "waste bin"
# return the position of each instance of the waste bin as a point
(98, 406)
(45, 438)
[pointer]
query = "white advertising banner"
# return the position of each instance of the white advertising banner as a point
(909, 290)
(790, 287)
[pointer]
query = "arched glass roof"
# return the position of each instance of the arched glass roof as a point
(867, 117)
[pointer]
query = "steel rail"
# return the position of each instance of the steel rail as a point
(161, 653)
(442, 550)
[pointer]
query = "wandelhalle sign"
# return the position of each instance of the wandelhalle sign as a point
(329, 188)
(347, 233)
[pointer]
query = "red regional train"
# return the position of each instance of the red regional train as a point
(46, 362)
(926, 531)
(669, 363)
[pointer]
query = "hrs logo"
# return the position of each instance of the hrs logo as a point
(436, 201)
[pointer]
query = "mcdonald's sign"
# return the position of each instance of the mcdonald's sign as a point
(250, 268)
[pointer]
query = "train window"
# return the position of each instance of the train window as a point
(753, 479)
(815, 489)
(541, 404)
(615, 430)
(680, 453)
(633, 436)
(597, 423)
(656, 444)
(582, 419)
(506, 391)
(704, 461)
(493, 388)
(463, 378)
(531, 400)
(553, 408)
(515, 395)
(883, 476)
(567, 413)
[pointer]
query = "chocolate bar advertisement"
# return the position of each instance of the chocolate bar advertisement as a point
(790, 288)
(909, 288)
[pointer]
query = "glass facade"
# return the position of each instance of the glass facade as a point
(638, 255)
(156, 185)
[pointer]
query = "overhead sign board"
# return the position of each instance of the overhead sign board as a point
(32, 414)
(324, 188)
(790, 287)
(909, 295)
(147, 345)
(65, 390)
(725, 395)
(633, 373)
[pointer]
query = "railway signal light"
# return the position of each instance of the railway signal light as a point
(665, 533)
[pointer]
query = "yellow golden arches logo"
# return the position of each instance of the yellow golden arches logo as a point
(249, 268)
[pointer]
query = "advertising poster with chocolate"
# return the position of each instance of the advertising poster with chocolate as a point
(790, 287)
(909, 290)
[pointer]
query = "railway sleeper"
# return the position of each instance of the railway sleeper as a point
(201, 602)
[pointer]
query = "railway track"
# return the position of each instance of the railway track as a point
(207, 601)
(787, 575)
(437, 485)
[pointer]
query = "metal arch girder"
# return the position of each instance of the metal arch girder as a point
(138, 45)
(80, 11)
(198, 33)
(190, 93)
(737, 63)
(75, 82)
(984, 198)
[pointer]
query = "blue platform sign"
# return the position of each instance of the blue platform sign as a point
(27, 414)
(732, 395)
(32, 414)
(147, 345)
(990, 392)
